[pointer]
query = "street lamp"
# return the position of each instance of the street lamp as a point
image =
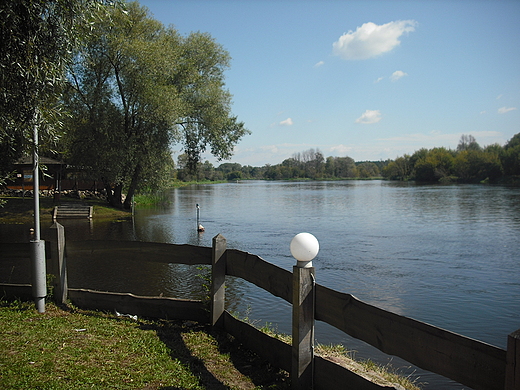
(304, 248)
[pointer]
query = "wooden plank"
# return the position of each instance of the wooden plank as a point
(302, 328)
(140, 251)
(331, 376)
(265, 275)
(218, 279)
(57, 263)
(513, 361)
(150, 307)
(273, 350)
(16, 291)
(18, 250)
(473, 363)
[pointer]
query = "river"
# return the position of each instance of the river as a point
(447, 255)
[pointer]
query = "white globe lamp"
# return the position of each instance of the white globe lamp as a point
(304, 248)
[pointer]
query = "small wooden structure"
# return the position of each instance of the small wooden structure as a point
(72, 210)
(24, 174)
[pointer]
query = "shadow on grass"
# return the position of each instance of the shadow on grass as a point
(260, 372)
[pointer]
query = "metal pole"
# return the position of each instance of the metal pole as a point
(200, 228)
(39, 283)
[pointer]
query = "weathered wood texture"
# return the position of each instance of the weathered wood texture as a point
(513, 361)
(302, 328)
(332, 376)
(272, 349)
(15, 263)
(57, 263)
(141, 251)
(17, 250)
(151, 307)
(16, 291)
(218, 279)
(73, 211)
(254, 269)
(467, 361)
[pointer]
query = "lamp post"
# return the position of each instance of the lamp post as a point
(37, 246)
(304, 247)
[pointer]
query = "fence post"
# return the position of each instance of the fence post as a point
(58, 263)
(218, 277)
(303, 328)
(513, 361)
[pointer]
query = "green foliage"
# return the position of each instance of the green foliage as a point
(400, 169)
(135, 89)
(434, 166)
(470, 163)
(511, 156)
(37, 39)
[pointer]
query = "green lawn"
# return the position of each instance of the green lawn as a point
(76, 349)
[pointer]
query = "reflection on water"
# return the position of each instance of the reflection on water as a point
(446, 255)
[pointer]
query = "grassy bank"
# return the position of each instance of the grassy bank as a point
(17, 210)
(75, 349)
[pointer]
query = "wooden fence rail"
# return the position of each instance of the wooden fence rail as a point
(467, 361)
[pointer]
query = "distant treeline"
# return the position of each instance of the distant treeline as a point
(310, 164)
(469, 163)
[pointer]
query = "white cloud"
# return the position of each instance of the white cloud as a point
(318, 64)
(397, 75)
(378, 80)
(503, 110)
(371, 40)
(340, 149)
(287, 122)
(369, 117)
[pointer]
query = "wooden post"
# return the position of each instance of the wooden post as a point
(58, 263)
(302, 376)
(513, 361)
(218, 278)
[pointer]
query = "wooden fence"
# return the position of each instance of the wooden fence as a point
(467, 361)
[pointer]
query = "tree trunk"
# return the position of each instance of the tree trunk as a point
(117, 199)
(133, 186)
(113, 195)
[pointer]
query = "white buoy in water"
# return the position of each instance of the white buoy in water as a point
(200, 228)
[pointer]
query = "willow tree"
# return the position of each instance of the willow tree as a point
(136, 89)
(36, 41)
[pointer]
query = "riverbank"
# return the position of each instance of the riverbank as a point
(66, 348)
(18, 210)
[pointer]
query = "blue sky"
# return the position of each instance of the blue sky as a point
(371, 80)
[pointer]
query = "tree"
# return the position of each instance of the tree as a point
(340, 167)
(473, 166)
(468, 142)
(367, 169)
(37, 38)
(137, 88)
(435, 166)
(511, 156)
(400, 169)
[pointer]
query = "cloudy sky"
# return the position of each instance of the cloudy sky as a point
(366, 79)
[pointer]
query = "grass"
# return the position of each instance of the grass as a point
(19, 211)
(375, 372)
(76, 349)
